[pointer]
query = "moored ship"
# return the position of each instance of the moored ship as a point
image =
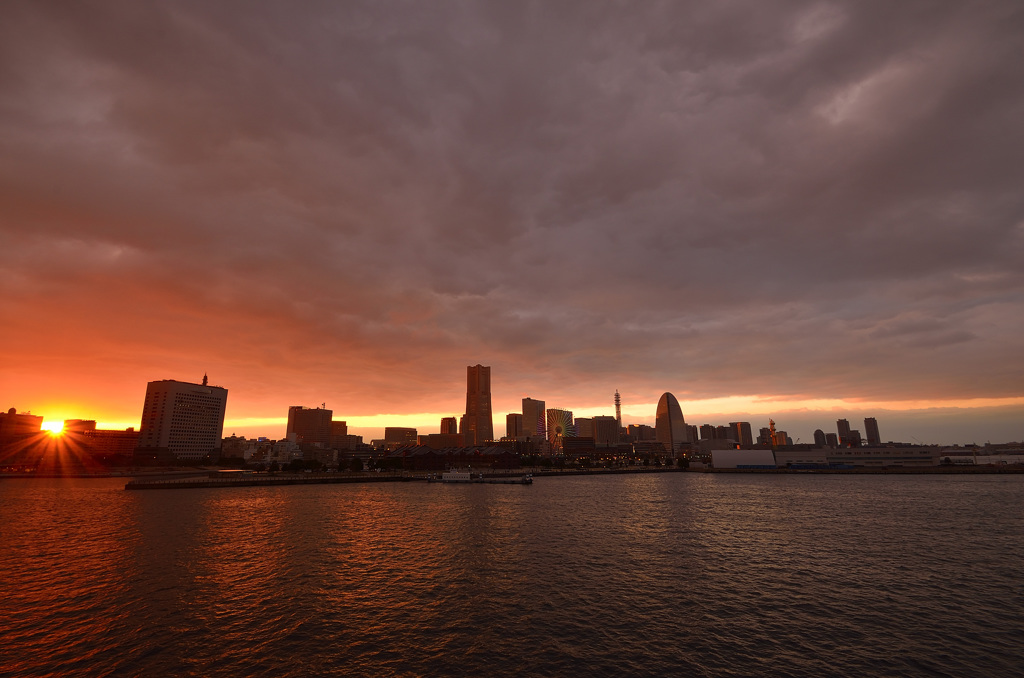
(469, 477)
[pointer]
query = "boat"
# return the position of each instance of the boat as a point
(469, 477)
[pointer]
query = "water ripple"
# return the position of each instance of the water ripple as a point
(602, 576)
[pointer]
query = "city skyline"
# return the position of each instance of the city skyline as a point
(804, 212)
(934, 428)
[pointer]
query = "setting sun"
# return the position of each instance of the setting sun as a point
(54, 428)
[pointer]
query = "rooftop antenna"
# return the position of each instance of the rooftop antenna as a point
(205, 380)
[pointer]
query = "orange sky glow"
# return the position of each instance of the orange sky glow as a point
(315, 207)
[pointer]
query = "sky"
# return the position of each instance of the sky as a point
(795, 210)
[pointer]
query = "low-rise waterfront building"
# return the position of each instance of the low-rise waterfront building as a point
(740, 459)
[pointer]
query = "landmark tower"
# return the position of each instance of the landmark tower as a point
(477, 426)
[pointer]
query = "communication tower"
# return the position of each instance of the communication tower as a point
(618, 409)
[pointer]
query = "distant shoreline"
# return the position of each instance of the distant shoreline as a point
(202, 477)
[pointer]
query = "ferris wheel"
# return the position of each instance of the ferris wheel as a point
(560, 426)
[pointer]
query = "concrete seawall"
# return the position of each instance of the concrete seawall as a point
(263, 481)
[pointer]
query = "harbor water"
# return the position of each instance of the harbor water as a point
(656, 574)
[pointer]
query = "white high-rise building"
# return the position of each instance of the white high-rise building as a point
(182, 419)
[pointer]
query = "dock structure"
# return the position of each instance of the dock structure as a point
(479, 478)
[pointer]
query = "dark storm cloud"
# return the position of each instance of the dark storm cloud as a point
(815, 199)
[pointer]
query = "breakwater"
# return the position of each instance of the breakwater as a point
(263, 481)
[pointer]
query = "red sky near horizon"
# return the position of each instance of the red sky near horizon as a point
(819, 206)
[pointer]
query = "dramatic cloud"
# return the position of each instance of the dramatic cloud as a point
(349, 203)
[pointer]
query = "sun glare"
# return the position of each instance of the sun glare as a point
(54, 428)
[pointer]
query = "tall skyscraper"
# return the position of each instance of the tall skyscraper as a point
(843, 427)
(819, 438)
(534, 418)
(871, 430)
(513, 425)
(478, 426)
(311, 426)
(670, 427)
(183, 420)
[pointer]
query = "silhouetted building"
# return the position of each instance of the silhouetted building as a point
(843, 427)
(311, 426)
(397, 435)
(422, 458)
(584, 427)
(477, 425)
(707, 432)
(81, 435)
(605, 430)
(449, 425)
(819, 438)
(722, 433)
(831, 440)
(741, 433)
(579, 446)
(871, 430)
(670, 427)
(101, 444)
(339, 435)
(440, 441)
(14, 424)
(513, 425)
(182, 420)
(534, 418)
(640, 432)
(346, 442)
(765, 437)
(22, 439)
